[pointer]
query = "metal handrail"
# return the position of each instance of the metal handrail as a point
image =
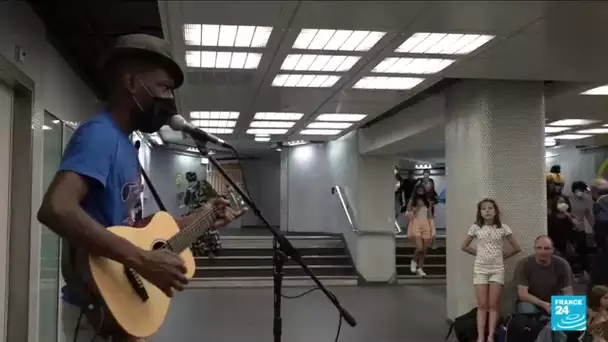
(397, 226)
(336, 190)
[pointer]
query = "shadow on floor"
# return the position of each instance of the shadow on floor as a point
(384, 314)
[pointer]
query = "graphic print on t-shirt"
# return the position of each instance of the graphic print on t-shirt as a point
(131, 196)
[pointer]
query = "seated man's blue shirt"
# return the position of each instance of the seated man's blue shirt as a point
(101, 152)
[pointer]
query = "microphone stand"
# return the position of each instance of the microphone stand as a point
(282, 250)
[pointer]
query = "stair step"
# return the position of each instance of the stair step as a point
(296, 241)
(431, 259)
(428, 269)
(267, 251)
(288, 281)
(412, 249)
(266, 271)
(266, 260)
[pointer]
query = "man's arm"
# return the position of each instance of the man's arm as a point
(61, 212)
(523, 294)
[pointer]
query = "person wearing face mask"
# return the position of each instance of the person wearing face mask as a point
(560, 226)
(99, 183)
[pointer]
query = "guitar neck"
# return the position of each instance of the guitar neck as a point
(187, 236)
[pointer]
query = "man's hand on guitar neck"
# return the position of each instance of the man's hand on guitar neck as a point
(165, 269)
(225, 214)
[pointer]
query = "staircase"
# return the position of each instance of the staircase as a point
(246, 261)
(435, 264)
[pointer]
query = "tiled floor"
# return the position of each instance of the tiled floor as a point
(384, 314)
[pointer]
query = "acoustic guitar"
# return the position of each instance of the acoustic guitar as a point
(136, 305)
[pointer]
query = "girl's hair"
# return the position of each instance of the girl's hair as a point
(418, 196)
(595, 296)
(480, 221)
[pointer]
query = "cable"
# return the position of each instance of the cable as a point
(77, 328)
(301, 294)
(339, 326)
(238, 159)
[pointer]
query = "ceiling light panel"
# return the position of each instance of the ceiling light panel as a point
(573, 122)
(571, 136)
(549, 129)
(222, 60)
(341, 117)
(328, 63)
(214, 115)
(594, 131)
(218, 130)
(396, 65)
(267, 131)
(227, 35)
(214, 123)
(337, 40)
(278, 116)
(443, 43)
(320, 131)
(390, 83)
(305, 81)
(329, 125)
(550, 142)
(603, 90)
(262, 138)
(272, 124)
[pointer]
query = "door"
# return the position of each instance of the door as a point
(6, 124)
(50, 243)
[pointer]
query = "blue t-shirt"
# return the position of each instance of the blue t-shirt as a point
(103, 153)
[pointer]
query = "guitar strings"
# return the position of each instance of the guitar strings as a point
(190, 229)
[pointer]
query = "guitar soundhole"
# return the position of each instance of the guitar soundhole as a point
(159, 245)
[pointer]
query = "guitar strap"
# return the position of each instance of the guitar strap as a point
(159, 202)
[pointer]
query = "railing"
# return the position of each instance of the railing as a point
(337, 190)
(397, 226)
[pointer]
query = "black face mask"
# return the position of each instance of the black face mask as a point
(154, 114)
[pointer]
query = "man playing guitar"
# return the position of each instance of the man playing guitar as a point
(99, 181)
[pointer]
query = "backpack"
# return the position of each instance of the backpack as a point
(524, 327)
(464, 327)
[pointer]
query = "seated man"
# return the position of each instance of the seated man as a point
(541, 276)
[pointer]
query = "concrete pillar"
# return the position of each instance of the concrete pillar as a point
(494, 148)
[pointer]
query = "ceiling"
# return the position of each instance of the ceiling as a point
(82, 31)
(533, 40)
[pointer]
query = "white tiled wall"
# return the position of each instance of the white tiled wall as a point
(57, 90)
(494, 148)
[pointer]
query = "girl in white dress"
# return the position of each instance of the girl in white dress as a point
(489, 270)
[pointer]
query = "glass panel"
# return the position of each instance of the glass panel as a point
(49, 249)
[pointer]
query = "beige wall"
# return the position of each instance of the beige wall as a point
(57, 90)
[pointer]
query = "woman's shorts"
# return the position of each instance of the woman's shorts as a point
(487, 278)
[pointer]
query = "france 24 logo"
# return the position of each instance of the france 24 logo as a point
(568, 313)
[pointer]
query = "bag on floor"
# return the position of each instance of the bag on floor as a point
(524, 327)
(464, 327)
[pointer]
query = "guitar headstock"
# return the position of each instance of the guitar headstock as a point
(236, 201)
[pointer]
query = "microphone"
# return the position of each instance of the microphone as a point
(178, 123)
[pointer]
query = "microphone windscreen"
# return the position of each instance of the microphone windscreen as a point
(177, 122)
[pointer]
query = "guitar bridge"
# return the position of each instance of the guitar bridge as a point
(137, 284)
